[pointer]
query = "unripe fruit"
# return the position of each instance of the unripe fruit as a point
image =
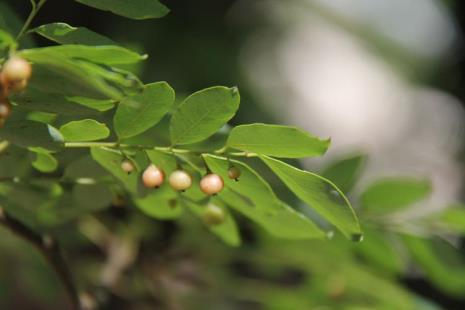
(153, 177)
(127, 166)
(213, 215)
(211, 184)
(180, 180)
(5, 109)
(16, 69)
(234, 173)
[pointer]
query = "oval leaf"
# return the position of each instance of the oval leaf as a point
(203, 113)
(65, 34)
(160, 204)
(253, 197)
(135, 9)
(277, 141)
(44, 161)
(138, 113)
(393, 193)
(107, 54)
(320, 194)
(84, 130)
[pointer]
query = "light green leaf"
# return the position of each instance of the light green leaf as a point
(32, 134)
(6, 40)
(84, 130)
(160, 204)
(33, 99)
(135, 9)
(453, 219)
(44, 161)
(227, 231)
(107, 54)
(275, 140)
(138, 113)
(393, 193)
(111, 160)
(320, 194)
(253, 197)
(202, 114)
(65, 34)
(96, 104)
(344, 173)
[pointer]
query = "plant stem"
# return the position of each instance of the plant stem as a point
(49, 248)
(143, 147)
(35, 9)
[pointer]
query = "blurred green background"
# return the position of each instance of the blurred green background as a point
(381, 78)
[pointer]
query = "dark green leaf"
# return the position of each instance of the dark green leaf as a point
(202, 114)
(254, 198)
(32, 134)
(136, 114)
(344, 173)
(65, 34)
(320, 194)
(135, 9)
(84, 130)
(393, 193)
(274, 140)
(33, 99)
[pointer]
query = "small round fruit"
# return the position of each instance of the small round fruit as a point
(211, 184)
(234, 173)
(5, 109)
(153, 177)
(127, 166)
(16, 69)
(213, 215)
(180, 180)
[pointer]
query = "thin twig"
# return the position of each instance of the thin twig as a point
(35, 9)
(50, 249)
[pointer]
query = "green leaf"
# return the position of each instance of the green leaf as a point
(160, 204)
(202, 114)
(111, 160)
(227, 231)
(135, 9)
(33, 99)
(96, 104)
(65, 34)
(107, 55)
(453, 219)
(44, 161)
(448, 278)
(320, 194)
(344, 173)
(72, 79)
(138, 113)
(394, 193)
(32, 134)
(84, 130)
(275, 140)
(253, 197)
(92, 197)
(6, 40)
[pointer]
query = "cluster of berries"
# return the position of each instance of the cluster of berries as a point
(181, 180)
(14, 76)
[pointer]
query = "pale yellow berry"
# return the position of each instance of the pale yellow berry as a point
(180, 180)
(16, 69)
(211, 184)
(213, 215)
(153, 177)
